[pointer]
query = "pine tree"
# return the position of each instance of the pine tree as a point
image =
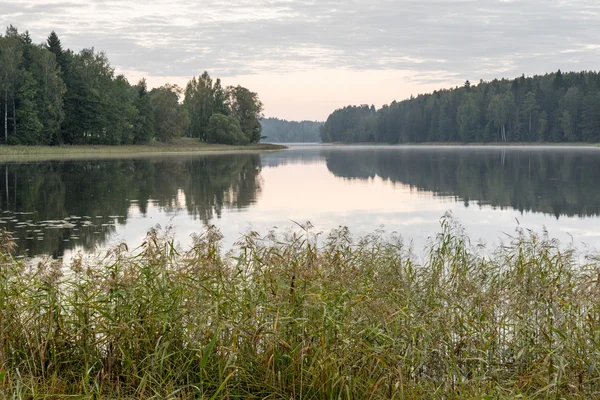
(55, 46)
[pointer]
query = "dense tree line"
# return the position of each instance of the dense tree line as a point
(282, 131)
(53, 96)
(556, 107)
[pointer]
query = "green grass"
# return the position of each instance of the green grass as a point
(182, 145)
(289, 319)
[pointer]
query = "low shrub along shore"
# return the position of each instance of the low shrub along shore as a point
(292, 317)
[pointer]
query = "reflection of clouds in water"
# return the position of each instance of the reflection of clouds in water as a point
(405, 190)
(416, 225)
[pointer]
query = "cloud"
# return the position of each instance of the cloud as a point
(465, 39)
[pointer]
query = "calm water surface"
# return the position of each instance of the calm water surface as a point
(58, 207)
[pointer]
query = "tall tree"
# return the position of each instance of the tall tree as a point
(468, 119)
(590, 118)
(247, 108)
(170, 118)
(54, 44)
(27, 114)
(144, 124)
(530, 107)
(199, 101)
(50, 92)
(11, 57)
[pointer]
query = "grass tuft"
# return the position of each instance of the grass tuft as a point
(296, 317)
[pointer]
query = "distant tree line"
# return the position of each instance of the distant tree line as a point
(555, 107)
(52, 96)
(279, 130)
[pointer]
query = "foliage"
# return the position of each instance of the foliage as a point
(282, 131)
(54, 96)
(206, 102)
(302, 317)
(247, 108)
(224, 129)
(170, 119)
(555, 107)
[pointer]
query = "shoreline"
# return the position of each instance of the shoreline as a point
(182, 147)
(474, 144)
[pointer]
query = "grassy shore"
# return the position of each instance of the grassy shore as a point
(289, 319)
(183, 145)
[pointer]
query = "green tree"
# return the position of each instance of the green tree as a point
(468, 119)
(570, 108)
(529, 109)
(93, 107)
(199, 102)
(11, 57)
(278, 130)
(566, 123)
(225, 129)
(247, 108)
(501, 109)
(590, 118)
(220, 99)
(50, 92)
(143, 130)
(543, 131)
(27, 115)
(170, 119)
(54, 45)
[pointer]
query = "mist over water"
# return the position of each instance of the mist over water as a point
(58, 207)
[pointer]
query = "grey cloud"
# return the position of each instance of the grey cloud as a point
(450, 38)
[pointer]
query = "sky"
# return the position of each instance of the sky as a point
(307, 58)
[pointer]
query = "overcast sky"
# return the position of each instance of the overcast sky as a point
(307, 58)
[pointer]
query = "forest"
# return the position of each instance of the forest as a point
(282, 131)
(556, 107)
(54, 96)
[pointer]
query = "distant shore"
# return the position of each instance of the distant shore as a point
(475, 144)
(184, 145)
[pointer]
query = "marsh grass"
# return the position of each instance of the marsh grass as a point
(293, 317)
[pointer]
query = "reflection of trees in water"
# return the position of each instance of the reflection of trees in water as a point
(557, 182)
(295, 155)
(213, 183)
(103, 189)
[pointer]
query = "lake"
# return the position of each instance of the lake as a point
(58, 207)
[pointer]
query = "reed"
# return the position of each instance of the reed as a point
(305, 317)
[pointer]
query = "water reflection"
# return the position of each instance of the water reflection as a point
(556, 182)
(55, 206)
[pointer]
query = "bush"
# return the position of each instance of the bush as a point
(225, 129)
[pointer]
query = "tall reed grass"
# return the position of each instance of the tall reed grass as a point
(299, 318)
